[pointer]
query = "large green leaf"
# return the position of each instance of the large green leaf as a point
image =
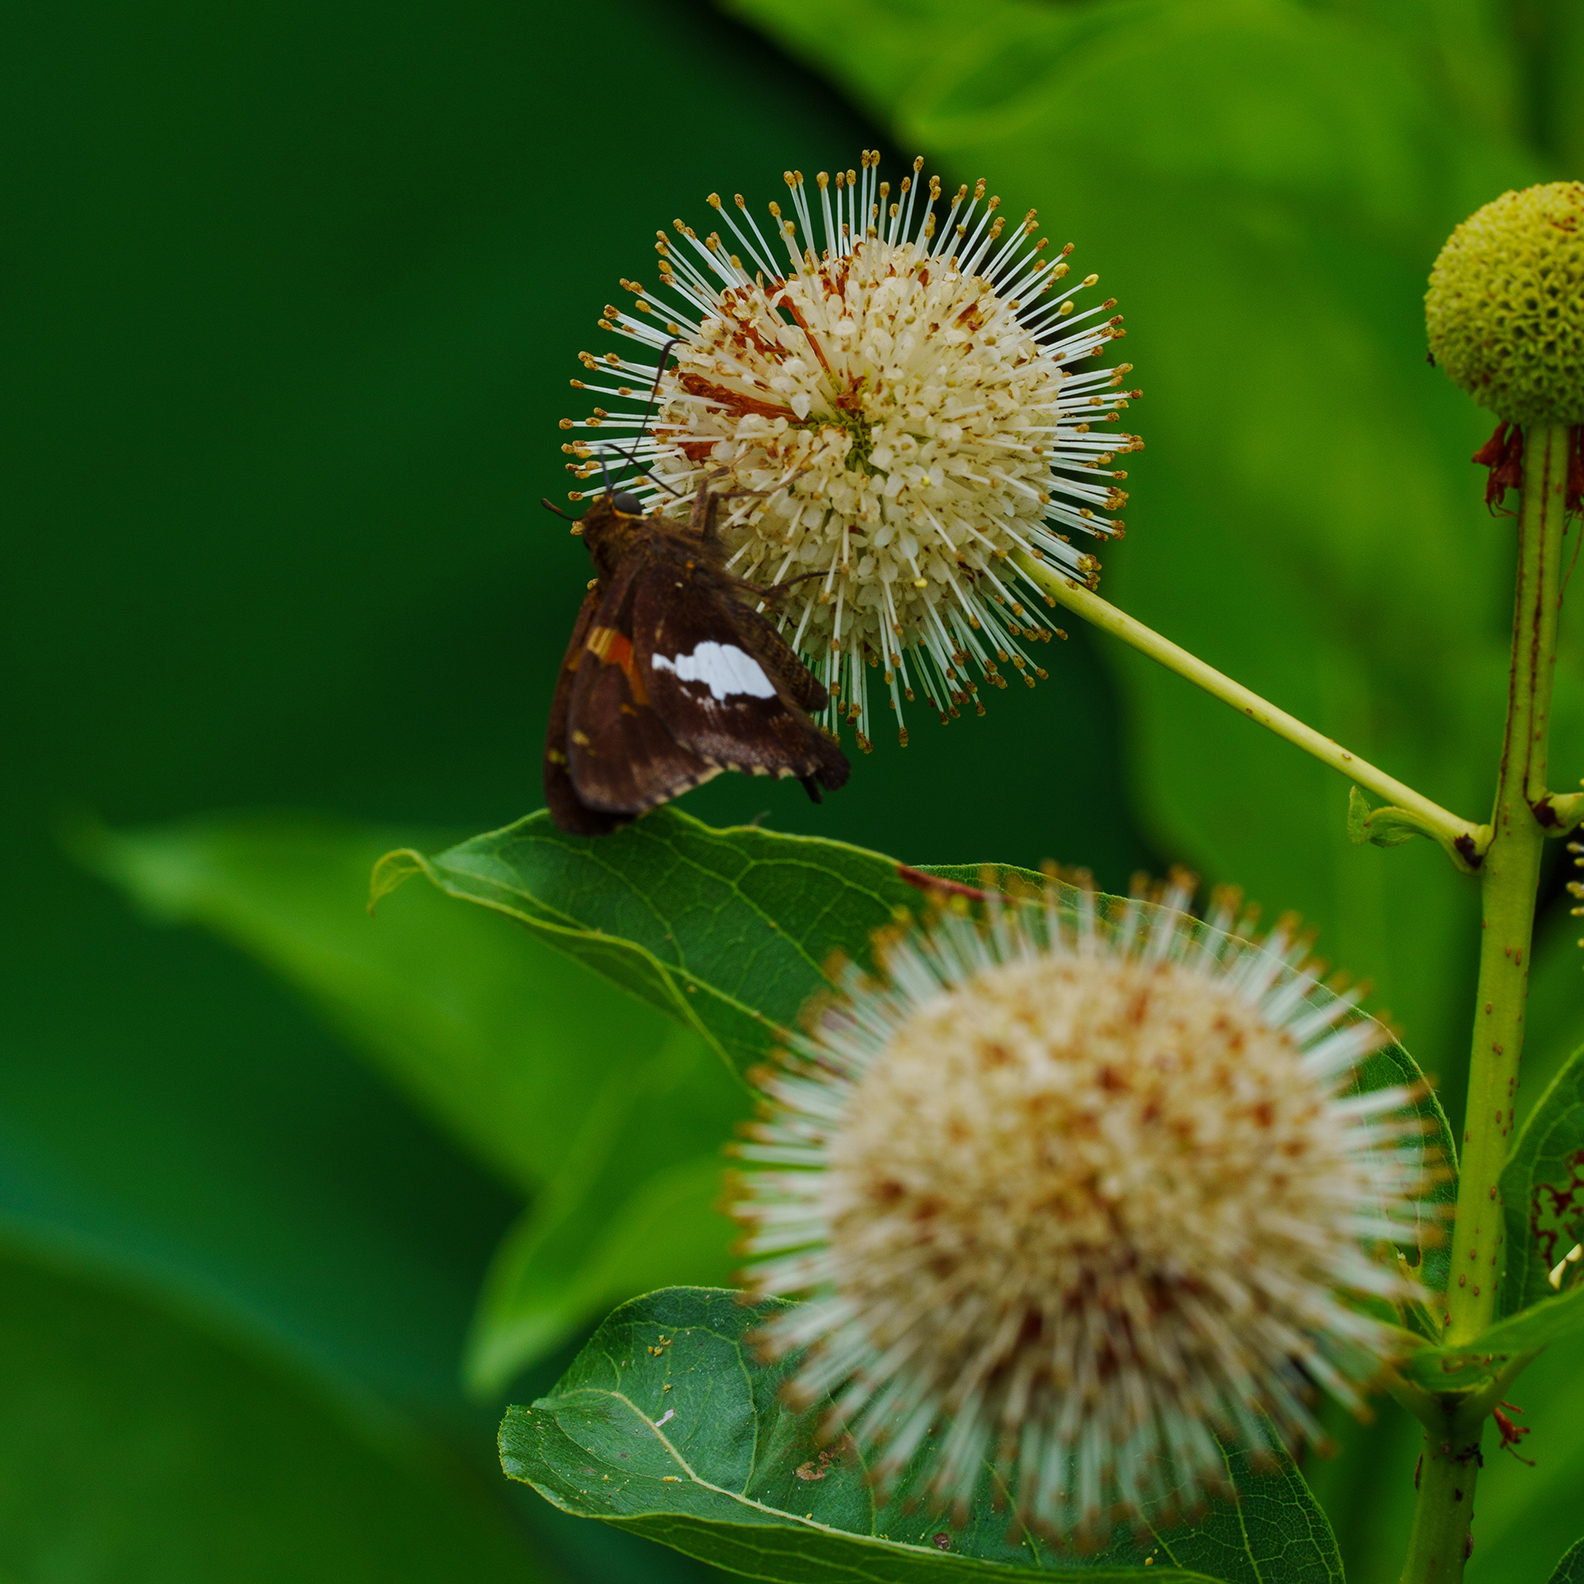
(667, 1425)
(135, 1446)
(727, 931)
(611, 1112)
(631, 1210)
(471, 1017)
(1543, 1190)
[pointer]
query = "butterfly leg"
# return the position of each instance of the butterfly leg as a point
(702, 519)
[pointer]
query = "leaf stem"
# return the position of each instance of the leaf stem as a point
(1509, 877)
(1461, 839)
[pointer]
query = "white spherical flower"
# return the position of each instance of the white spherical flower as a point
(1083, 1192)
(895, 416)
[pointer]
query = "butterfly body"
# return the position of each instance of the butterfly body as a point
(671, 676)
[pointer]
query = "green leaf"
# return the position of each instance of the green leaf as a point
(475, 1020)
(485, 1027)
(1357, 817)
(725, 930)
(1542, 1190)
(631, 1210)
(1384, 827)
(666, 1424)
(1458, 1368)
(133, 1445)
(1570, 1570)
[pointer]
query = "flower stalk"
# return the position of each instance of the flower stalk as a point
(1439, 1544)
(1509, 879)
(1461, 839)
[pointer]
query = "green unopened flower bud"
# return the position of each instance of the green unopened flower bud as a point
(1505, 309)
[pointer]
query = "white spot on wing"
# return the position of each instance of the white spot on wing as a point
(723, 668)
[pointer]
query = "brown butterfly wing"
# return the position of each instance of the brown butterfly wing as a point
(783, 662)
(713, 681)
(567, 809)
(621, 758)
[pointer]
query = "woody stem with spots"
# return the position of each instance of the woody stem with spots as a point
(1438, 1545)
(1509, 878)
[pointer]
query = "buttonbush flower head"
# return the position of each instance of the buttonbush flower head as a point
(898, 388)
(1505, 309)
(1075, 1194)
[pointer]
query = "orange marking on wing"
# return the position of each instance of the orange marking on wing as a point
(610, 647)
(602, 640)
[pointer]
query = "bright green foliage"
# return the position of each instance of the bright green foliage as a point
(667, 1425)
(134, 1446)
(1263, 186)
(1543, 1191)
(1505, 309)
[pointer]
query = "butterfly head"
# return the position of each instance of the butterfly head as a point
(612, 526)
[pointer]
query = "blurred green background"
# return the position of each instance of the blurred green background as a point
(292, 294)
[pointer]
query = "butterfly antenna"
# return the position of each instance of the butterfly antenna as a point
(550, 506)
(655, 479)
(654, 395)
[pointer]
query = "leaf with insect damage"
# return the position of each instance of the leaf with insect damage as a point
(668, 1425)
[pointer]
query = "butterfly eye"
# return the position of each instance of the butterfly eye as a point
(627, 503)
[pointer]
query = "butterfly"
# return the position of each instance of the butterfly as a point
(673, 675)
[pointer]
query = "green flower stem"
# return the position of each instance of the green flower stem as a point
(1457, 836)
(1439, 1544)
(1509, 876)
